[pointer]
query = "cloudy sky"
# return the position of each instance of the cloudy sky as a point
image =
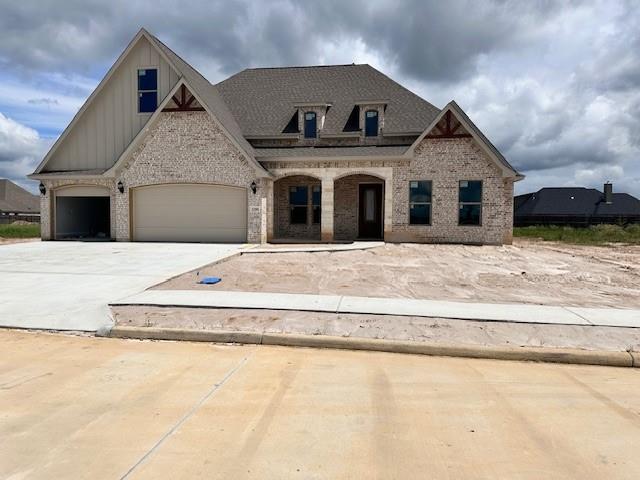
(554, 84)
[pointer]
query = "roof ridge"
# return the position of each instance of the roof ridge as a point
(308, 66)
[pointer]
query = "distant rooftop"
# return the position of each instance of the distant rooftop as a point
(16, 199)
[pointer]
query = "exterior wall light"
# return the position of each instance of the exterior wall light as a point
(254, 187)
(42, 188)
(120, 187)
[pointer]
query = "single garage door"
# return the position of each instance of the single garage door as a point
(82, 213)
(189, 213)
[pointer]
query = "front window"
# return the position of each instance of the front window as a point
(298, 199)
(147, 90)
(310, 126)
(470, 198)
(371, 123)
(316, 197)
(420, 202)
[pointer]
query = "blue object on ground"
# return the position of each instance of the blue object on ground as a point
(210, 280)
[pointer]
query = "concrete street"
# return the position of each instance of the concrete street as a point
(67, 285)
(80, 407)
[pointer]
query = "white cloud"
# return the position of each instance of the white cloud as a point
(21, 149)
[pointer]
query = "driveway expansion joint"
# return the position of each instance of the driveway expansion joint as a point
(184, 418)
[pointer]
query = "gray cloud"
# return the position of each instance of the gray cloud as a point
(43, 101)
(555, 84)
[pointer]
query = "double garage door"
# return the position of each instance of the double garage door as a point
(189, 213)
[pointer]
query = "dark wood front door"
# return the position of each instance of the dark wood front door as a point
(370, 211)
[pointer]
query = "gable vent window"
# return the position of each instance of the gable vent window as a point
(310, 125)
(371, 123)
(147, 90)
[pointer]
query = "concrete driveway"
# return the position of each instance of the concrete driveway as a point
(85, 407)
(67, 285)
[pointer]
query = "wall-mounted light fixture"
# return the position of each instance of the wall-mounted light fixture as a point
(120, 187)
(42, 188)
(254, 187)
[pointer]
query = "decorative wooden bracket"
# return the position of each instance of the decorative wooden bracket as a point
(449, 130)
(183, 102)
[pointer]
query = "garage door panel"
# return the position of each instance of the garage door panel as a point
(190, 213)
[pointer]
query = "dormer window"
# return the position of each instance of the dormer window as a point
(147, 90)
(310, 125)
(371, 123)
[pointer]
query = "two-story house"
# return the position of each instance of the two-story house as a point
(324, 153)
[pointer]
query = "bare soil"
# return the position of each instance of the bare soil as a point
(528, 271)
(432, 330)
(8, 241)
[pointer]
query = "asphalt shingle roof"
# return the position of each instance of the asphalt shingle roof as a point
(262, 100)
(16, 199)
(576, 201)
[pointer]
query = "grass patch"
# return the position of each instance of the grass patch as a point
(595, 235)
(12, 230)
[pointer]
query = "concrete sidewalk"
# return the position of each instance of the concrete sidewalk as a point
(520, 313)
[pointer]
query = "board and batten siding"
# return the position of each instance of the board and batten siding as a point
(111, 122)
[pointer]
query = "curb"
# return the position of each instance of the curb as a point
(527, 354)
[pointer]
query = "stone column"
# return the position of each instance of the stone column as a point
(326, 214)
(388, 206)
(270, 210)
(46, 212)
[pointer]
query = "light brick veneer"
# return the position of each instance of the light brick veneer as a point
(188, 147)
(445, 162)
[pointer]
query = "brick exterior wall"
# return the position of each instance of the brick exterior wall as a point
(182, 147)
(345, 205)
(445, 162)
(188, 147)
(283, 226)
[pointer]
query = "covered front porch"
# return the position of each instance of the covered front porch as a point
(330, 205)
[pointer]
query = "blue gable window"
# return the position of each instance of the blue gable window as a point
(310, 125)
(371, 123)
(147, 90)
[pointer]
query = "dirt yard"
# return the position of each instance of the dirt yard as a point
(419, 329)
(528, 271)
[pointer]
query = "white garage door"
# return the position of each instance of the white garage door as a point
(189, 213)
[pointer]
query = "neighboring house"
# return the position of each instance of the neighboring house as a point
(343, 152)
(575, 206)
(17, 204)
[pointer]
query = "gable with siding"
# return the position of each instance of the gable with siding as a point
(109, 120)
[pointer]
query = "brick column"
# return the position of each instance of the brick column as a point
(326, 214)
